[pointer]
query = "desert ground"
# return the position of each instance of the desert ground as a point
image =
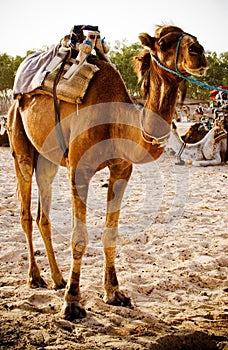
(171, 260)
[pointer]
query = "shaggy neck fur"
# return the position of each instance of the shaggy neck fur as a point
(162, 94)
(160, 89)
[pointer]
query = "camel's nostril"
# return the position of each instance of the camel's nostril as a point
(196, 49)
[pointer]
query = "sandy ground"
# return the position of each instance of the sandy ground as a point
(171, 260)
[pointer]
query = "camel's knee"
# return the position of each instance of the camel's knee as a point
(79, 247)
(79, 239)
(109, 237)
(26, 224)
(43, 223)
(25, 165)
(78, 250)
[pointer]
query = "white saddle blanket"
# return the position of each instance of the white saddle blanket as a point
(32, 71)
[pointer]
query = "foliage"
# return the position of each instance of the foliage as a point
(217, 75)
(6, 72)
(122, 56)
(8, 69)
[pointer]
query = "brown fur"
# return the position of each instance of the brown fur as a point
(194, 133)
(106, 132)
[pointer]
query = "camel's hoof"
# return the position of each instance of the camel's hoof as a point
(37, 283)
(59, 285)
(72, 311)
(119, 299)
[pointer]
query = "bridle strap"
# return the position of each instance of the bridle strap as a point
(179, 74)
(177, 53)
(148, 138)
(176, 71)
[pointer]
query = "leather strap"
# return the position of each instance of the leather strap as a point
(58, 128)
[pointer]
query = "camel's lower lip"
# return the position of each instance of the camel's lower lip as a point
(197, 72)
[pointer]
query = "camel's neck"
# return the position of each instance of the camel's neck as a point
(162, 94)
(160, 104)
(156, 118)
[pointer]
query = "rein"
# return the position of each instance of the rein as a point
(179, 74)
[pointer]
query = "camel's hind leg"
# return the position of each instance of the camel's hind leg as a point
(23, 153)
(24, 188)
(45, 173)
(119, 176)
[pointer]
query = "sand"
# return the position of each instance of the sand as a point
(171, 260)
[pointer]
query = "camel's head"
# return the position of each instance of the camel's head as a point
(176, 50)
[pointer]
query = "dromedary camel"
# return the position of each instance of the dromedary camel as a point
(210, 150)
(195, 133)
(108, 131)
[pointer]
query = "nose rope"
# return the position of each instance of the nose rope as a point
(177, 53)
(179, 74)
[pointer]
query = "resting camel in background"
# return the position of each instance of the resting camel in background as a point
(197, 131)
(210, 150)
(108, 131)
(194, 133)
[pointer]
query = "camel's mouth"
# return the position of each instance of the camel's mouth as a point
(198, 72)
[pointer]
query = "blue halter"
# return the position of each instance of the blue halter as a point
(179, 74)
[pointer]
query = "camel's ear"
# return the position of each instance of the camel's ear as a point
(147, 40)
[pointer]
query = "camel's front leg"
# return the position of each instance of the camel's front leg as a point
(215, 161)
(119, 176)
(72, 309)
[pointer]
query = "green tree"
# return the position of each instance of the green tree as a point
(217, 74)
(6, 72)
(122, 56)
(8, 68)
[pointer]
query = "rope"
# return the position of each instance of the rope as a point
(178, 73)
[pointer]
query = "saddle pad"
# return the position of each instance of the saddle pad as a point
(74, 88)
(32, 71)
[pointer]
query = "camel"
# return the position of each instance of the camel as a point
(210, 150)
(4, 140)
(197, 131)
(197, 114)
(105, 130)
(194, 133)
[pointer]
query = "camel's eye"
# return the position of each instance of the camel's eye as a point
(164, 46)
